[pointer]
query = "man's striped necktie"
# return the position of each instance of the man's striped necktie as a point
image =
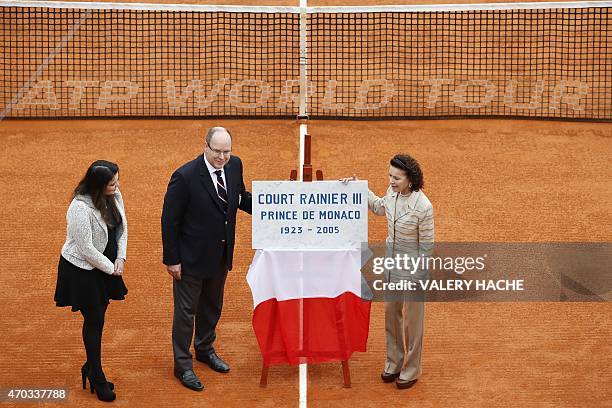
(221, 191)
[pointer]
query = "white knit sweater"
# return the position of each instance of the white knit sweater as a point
(87, 235)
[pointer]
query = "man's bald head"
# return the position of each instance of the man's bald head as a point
(218, 147)
(216, 130)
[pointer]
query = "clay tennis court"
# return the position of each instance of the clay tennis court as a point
(489, 181)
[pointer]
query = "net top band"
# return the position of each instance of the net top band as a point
(308, 10)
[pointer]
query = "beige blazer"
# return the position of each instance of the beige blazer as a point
(87, 235)
(410, 220)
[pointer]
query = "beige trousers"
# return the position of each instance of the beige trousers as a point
(404, 333)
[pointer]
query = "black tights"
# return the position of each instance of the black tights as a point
(93, 324)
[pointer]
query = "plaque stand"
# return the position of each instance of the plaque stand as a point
(307, 177)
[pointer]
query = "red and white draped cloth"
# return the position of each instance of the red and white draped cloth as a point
(308, 306)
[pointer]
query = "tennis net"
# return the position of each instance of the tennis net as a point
(525, 60)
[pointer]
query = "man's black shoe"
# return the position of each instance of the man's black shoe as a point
(214, 362)
(189, 380)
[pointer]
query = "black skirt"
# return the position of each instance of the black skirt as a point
(83, 288)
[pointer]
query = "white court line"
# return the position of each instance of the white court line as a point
(303, 394)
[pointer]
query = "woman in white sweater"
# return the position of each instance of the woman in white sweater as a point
(91, 263)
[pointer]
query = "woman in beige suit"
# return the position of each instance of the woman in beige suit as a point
(91, 263)
(410, 227)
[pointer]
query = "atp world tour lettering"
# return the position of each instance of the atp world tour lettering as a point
(369, 95)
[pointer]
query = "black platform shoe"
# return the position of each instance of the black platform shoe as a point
(101, 388)
(84, 370)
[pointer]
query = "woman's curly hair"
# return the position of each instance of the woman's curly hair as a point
(412, 169)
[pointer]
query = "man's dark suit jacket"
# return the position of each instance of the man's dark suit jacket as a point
(195, 229)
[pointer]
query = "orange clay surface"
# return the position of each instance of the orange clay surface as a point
(489, 180)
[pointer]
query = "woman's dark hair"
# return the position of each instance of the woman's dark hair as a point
(94, 183)
(412, 169)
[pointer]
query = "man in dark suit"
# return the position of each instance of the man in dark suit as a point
(198, 231)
